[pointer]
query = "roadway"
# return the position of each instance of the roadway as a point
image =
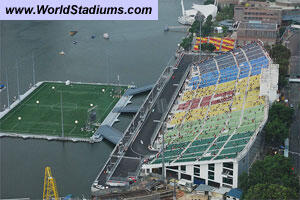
(131, 161)
(294, 99)
(139, 147)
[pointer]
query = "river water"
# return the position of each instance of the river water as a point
(137, 51)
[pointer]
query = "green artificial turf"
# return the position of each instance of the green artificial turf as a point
(44, 118)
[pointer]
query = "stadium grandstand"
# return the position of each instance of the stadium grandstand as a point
(221, 44)
(212, 132)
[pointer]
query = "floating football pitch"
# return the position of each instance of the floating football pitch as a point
(40, 112)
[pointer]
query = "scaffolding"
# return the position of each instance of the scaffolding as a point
(50, 190)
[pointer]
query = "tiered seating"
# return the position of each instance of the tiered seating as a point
(228, 68)
(217, 113)
(177, 118)
(221, 44)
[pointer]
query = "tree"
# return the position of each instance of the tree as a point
(282, 112)
(279, 121)
(280, 52)
(207, 2)
(276, 132)
(225, 13)
(206, 28)
(187, 42)
(281, 55)
(270, 191)
(273, 170)
(208, 47)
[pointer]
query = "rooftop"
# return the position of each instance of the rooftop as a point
(257, 25)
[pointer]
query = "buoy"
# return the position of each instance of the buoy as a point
(105, 36)
(62, 53)
(72, 33)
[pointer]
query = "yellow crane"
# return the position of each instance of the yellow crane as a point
(50, 190)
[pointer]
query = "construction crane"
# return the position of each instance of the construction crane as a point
(50, 190)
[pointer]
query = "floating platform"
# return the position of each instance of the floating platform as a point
(40, 111)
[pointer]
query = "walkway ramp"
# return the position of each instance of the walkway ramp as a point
(111, 134)
(126, 109)
(134, 91)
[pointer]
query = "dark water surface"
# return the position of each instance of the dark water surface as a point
(137, 51)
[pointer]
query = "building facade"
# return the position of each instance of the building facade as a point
(254, 31)
(257, 11)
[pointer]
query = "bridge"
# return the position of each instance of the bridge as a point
(128, 155)
(135, 91)
(107, 132)
(127, 109)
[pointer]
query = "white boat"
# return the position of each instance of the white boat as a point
(105, 36)
(62, 53)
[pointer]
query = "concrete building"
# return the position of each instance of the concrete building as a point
(255, 30)
(288, 3)
(257, 11)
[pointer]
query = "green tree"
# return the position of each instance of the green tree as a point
(281, 55)
(280, 52)
(273, 170)
(208, 47)
(282, 112)
(276, 132)
(270, 191)
(207, 2)
(206, 28)
(225, 13)
(279, 121)
(187, 42)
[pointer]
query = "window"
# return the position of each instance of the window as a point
(211, 167)
(183, 168)
(227, 172)
(228, 165)
(211, 175)
(186, 177)
(172, 167)
(227, 180)
(196, 171)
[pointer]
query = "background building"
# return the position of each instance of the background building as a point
(258, 11)
(255, 31)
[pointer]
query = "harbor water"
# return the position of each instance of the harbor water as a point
(137, 51)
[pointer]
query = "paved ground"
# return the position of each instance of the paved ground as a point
(148, 128)
(138, 148)
(294, 99)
